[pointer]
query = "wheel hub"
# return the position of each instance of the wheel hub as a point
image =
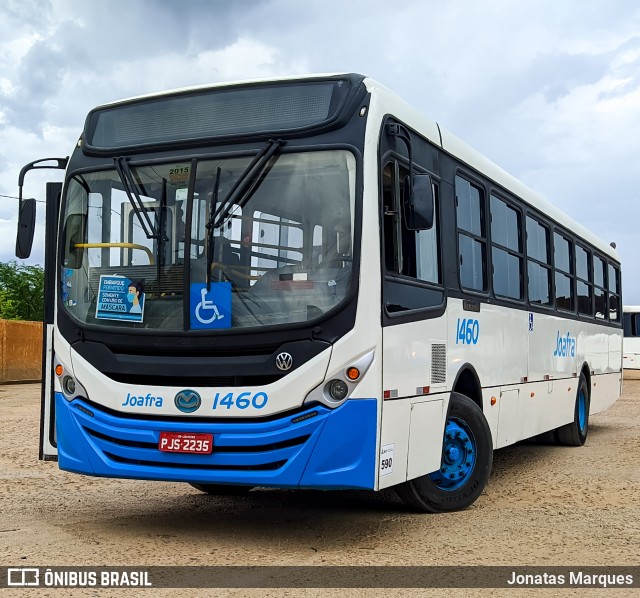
(458, 456)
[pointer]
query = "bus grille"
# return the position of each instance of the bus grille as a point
(438, 363)
(238, 445)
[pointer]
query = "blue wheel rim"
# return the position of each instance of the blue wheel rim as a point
(458, 456)
(582, 411)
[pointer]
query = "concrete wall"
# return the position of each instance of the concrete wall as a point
(20, 351)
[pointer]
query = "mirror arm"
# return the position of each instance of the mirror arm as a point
(61, 164)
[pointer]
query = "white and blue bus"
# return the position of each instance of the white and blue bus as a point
(631, 344)
(304, 283)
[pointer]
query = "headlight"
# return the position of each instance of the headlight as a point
(341, 383)
(69, 386)
(338, 390)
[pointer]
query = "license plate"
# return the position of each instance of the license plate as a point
(185, 442)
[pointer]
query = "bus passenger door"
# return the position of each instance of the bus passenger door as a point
(48, 444)
(414, 346)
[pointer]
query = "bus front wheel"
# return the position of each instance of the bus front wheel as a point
(467, 455)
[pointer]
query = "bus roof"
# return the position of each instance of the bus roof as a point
(222, 84)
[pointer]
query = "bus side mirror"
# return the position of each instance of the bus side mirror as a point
(419, 203)
(26, 228)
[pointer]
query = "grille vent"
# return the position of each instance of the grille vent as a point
(438, 363)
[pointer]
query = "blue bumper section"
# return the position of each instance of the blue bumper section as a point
(316, 448)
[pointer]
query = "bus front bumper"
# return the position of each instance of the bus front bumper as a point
(314, 448)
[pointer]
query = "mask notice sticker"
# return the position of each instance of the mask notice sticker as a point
(120, 298)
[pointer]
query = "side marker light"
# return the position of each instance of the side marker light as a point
(353, 374)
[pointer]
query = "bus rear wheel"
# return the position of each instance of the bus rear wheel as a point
(467, 456)
(221, 489)
(575, 433)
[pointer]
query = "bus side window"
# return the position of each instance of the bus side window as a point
(407, 252)
(599, 292)
(584, 282)
(470, 217)
(614, 293)
(538, 263)
(390, 217)
(506, 249)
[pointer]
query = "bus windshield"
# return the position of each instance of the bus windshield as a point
(136, 246)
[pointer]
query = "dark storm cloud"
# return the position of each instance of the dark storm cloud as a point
(100, 37)
(38, 78)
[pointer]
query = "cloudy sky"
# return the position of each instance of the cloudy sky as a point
(549, 90)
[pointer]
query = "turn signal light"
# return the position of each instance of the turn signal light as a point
(353, 374)
(59, 370)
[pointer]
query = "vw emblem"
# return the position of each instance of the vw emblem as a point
(188, 401)
(284, 361)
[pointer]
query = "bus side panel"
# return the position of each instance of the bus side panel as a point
(394, 445)
(489, 340)
(412, 421)
(510, 420)
(48, 441)
(426, 430)
(593, 348)
(411, 440)
(615, 351)
(605, 390)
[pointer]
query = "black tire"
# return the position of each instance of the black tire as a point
(221, 489)
(575, 433)
(473, 450)
(547, 437)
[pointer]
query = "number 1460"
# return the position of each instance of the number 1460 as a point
(467, 331)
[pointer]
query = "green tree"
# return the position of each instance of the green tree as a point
(21, 292)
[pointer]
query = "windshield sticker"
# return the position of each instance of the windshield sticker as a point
(120, 298)
(212, 308)
(179, 176)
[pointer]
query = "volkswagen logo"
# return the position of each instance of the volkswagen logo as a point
(188, 401)
(284, 361)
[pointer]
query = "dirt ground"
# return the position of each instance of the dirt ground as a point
(544, 506)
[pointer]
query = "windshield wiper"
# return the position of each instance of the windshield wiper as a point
(131, 189)
(244, 187)
(247, 183)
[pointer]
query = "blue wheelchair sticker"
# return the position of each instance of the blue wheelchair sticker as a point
(212, 308)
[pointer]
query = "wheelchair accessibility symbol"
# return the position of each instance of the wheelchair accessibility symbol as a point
(205, 307)
(211, 308)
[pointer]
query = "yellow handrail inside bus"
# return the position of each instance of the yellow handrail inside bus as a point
(125, 245)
